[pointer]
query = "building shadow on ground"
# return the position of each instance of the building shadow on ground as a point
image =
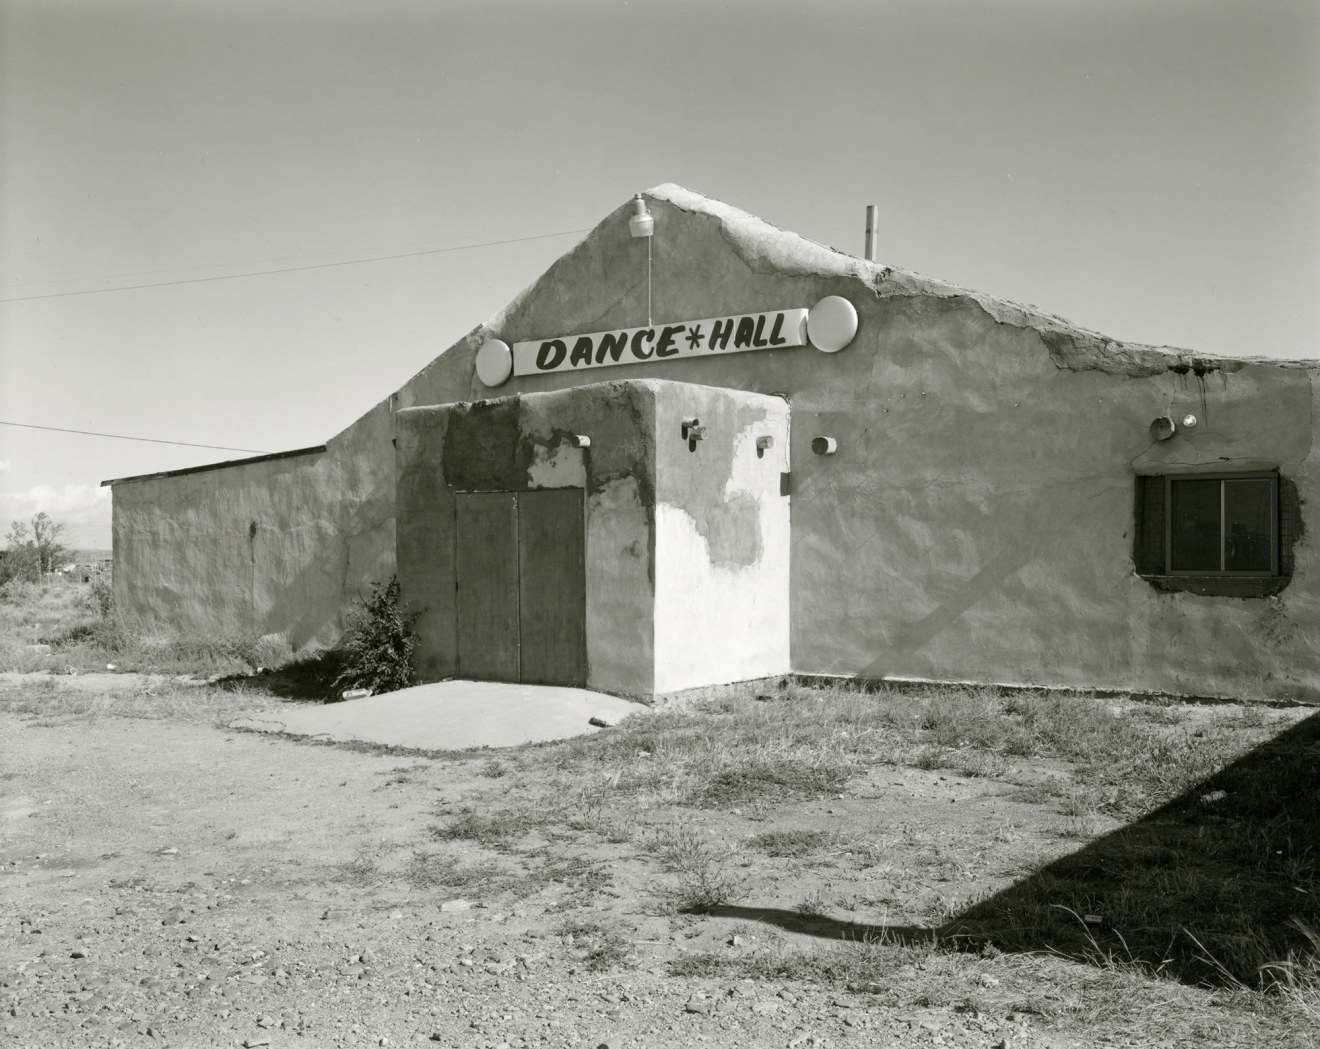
(823, 927)
(310, 679)
(1217, 887)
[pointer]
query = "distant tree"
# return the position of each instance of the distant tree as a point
(33, 549)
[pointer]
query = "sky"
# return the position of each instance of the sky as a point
(1146, 169)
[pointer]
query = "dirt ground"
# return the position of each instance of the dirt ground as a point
(174, 883)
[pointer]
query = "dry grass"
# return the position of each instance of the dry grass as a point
(793, 843)
(704, 875)
(599, 945)
(1205, 899)
(164, 699)
(494, 826)
(1137, 907)
(438, 870)
(59, 627)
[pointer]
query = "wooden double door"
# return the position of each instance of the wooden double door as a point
(522, 586)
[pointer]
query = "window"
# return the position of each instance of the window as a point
(1206, 532)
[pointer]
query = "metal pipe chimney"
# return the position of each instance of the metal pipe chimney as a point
(870, 233)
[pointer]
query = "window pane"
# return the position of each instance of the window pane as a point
(1195, 526)
(1248, 524)
(1150, 553)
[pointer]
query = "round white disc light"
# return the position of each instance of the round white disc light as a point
(832, 323)
(494, 362)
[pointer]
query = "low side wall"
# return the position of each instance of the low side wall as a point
(235, 551)
(282, 545)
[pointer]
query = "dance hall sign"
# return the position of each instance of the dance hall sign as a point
(749, 331)
(829, 326)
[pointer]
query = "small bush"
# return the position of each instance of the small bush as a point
(19, 592)
(101, 594)
(378, 648)
(705, 878)
(676, 848)
(706, 884)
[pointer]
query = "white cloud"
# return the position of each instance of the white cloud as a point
(83, 509)
(4, 467)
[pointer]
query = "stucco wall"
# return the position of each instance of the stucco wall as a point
(687, 545)
(277, 546)
(518, 444)
(242, 551)
(976, 522)
(722, 538)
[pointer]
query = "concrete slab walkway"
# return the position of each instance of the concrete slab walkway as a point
(451, 715)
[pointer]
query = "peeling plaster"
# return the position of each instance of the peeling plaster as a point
(557, 465)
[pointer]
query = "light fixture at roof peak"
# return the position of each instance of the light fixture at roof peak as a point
(642, 223)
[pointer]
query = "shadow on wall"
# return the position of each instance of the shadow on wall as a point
(1206, 889)
(1044, 518)
(914, 636)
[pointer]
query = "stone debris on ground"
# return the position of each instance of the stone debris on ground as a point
(267, 927)
(263, 973)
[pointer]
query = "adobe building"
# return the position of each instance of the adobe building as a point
(701, 450)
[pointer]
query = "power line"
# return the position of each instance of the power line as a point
(236, 263)
(123, 437)
(292, 269)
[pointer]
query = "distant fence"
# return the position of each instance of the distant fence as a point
(84, 572)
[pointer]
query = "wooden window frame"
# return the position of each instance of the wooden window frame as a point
(1256, 475)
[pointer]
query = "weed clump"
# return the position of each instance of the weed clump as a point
(101, 594)
(378, 648)
(487, 828)
(705, 879)
(600, 946)
(792, 843)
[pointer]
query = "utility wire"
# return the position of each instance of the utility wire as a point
(122, 437)
(291, 269)
(179, 271)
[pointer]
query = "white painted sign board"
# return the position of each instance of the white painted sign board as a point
(714, 335)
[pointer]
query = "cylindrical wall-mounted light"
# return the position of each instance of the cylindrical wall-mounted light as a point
(1163, 428)
(580, 440)
(824, 445)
